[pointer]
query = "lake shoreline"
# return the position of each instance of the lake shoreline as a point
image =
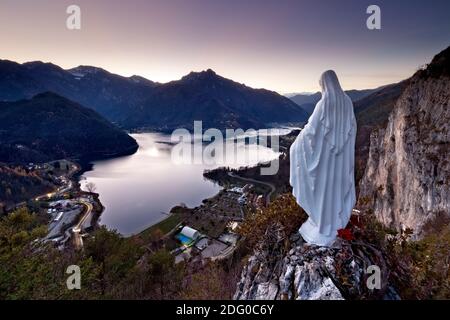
(160, 185)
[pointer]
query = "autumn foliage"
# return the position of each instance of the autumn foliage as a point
(283, 212)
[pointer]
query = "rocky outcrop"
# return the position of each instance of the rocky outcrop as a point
(299, 275)
(308, 272)
(407, 179)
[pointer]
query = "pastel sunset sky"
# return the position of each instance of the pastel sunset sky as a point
(281, 45)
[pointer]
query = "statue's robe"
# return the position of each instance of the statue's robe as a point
(322, 163)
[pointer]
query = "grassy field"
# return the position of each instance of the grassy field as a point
(164, 226)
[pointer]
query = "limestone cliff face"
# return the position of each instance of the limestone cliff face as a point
(407, 178)
(303, 273)
(309, 272)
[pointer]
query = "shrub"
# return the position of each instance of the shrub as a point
(284, 212)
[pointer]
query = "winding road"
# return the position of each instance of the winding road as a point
(268, 184)
(77, 229)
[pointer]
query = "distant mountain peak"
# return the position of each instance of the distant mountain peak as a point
(202, 75)
(142, 80)
(209, 71)
(48, 94)
(82, 71)
(33, 64)
(137, 78)
(39, 66)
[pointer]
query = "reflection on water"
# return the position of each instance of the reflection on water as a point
(138, 190)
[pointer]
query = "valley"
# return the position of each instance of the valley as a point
(78, 189)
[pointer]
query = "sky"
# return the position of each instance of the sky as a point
(281, 45)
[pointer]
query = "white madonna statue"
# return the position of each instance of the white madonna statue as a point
(322, 164)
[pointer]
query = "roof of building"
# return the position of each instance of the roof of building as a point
(190, 232)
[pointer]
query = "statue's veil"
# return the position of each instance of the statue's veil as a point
(334, 110)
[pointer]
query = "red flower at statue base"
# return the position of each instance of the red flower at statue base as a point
(345, 234)
(355, 221)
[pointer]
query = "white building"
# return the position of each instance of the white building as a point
(190, 233)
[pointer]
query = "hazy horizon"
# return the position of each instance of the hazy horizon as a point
(282, 46)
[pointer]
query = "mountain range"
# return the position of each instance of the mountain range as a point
(307, 101)
(137, 103)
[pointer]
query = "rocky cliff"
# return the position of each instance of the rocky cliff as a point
(287, 268)
(303, 273)
(407, 179)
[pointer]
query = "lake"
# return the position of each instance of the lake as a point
(139, 190)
